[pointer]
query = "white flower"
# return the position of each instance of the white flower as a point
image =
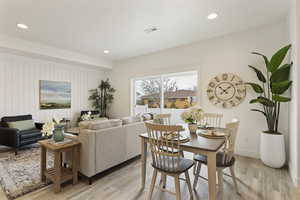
(85, 117)
(48, 128)
(192, 115)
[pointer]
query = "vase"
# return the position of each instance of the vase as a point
(193, 128)
(269, 145)
(58, 134)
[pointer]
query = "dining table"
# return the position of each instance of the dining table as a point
(196, 144)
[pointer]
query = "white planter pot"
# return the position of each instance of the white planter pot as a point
(272, 150)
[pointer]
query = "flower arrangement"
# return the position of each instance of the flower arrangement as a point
(49, 127)
(86, 117)
(192, 116)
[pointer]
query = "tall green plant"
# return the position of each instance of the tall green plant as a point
(102, 96)
(273, 84)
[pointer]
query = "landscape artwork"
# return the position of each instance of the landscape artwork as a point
(55, 95)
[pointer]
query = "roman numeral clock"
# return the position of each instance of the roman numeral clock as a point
(226, 90)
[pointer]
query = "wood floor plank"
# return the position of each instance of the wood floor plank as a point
(255, 181)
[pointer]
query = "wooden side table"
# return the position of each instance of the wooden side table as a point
(59, 174)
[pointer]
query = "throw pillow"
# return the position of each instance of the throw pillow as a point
(99, 125)
(22, 125)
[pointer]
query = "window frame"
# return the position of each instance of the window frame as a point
(161, 77)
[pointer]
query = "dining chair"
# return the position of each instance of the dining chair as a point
(211, 119)
(225, 158)
(163, 118)
(170, 162)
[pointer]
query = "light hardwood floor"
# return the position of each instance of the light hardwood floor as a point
(255, 181)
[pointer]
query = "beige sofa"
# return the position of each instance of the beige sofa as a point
(106, 144)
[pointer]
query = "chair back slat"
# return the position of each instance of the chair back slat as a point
(211, 119)
(230, 140)
(164, 118)
(164, 143)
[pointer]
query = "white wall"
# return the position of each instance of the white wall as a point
(19, 85)
(230, 53)
(294, 138)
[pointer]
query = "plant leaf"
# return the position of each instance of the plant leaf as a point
(256, 110)
(280, 87)
(282, 73)
(278, 57)
(257, 88)
(264, 101)
(259, 74)
(280, 98)
(267, 62)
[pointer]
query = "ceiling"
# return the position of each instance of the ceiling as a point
(92, 26)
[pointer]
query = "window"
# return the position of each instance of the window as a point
(168, 93)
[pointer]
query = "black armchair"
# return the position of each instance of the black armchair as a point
(18, 138)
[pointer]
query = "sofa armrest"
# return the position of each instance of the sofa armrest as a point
(9, 136)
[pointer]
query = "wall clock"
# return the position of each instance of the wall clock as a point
(226, 90)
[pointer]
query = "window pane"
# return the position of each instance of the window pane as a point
(180, 92)
(147, 93)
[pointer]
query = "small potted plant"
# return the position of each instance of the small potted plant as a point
(270, 95)
(48, 129)
(54, 128)
(192, 117)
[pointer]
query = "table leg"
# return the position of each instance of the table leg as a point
(43, 163)
(212, 169)
(75, 158)
(144, 161)
(57, 168)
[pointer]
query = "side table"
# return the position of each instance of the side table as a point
(59, 174)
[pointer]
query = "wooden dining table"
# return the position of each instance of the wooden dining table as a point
(196, 144)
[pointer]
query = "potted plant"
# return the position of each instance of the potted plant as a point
(102, 96)
(270, 94)
(192, 117)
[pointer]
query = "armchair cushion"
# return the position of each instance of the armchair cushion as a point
(22, 125)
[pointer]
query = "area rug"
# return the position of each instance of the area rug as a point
(20, 174)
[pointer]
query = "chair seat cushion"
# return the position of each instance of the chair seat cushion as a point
(220, 163)
(168, 162)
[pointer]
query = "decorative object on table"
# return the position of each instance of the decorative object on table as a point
(102, 97)
(55, 95)
(273, 84)
(192, 116)
(59, 174)
(226, 90)
(213, 133)
(48, 129)
(174, 136)
(54, 128)
(20, 174)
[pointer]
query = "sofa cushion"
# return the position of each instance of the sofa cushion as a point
(99, 125)
(85, 124)
(132, 119)
(22, 125)
(115, 122)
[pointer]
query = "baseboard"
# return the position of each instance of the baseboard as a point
(251, 154)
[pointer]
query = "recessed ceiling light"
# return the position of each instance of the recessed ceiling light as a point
(22, 26)
(212, 16)
(106, 51)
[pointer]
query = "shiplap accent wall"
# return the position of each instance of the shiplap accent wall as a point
(19, 86)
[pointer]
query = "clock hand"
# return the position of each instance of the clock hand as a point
(222, 92)
(228, 88)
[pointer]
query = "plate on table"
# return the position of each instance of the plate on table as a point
(214, 133)
(174, 137)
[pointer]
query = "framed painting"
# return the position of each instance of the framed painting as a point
(55, 95)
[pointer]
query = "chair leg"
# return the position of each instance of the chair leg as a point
(152, 184)
(197, 174)
(220, 180)
(164, 178)
(188, 181)
(234, 179)
(177, 186)
(195, 168)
